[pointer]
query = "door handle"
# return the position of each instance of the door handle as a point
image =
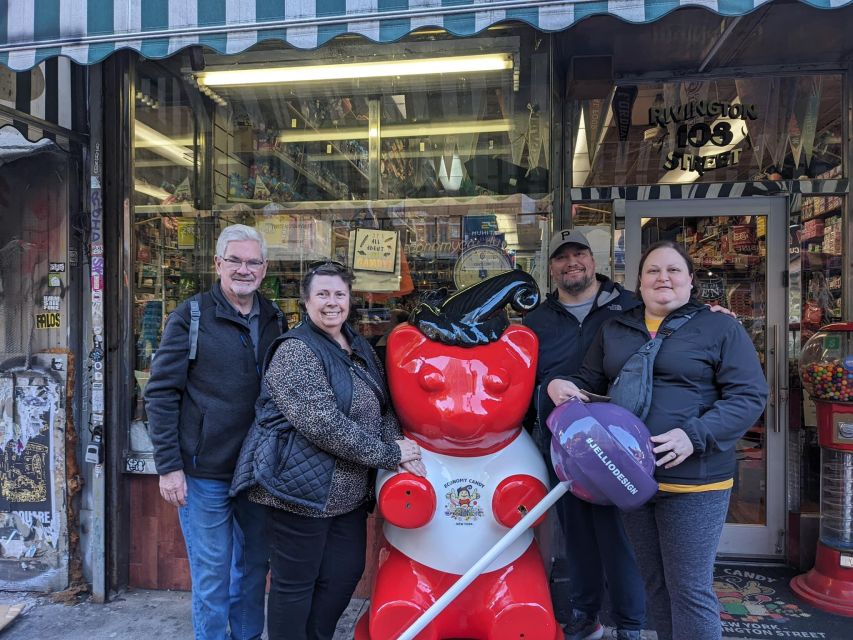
(777, 395)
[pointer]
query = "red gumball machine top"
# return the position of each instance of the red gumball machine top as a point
(826, 363)
(461, 376)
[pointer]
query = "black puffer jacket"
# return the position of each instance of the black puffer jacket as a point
(199, 412)
(707, 381)
(307, 447)
(563, 341)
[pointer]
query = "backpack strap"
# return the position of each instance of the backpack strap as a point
(282, 323)
(195, 315)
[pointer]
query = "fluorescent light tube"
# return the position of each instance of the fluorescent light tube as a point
(151, 190)
(325, 72)
(397, 131)
(145, 136)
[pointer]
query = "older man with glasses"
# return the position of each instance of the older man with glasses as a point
(205, 378)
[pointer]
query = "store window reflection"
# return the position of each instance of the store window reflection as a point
(425, 166)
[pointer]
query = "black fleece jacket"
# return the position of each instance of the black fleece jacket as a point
(707, 381)
(563, 341)
(199, 412)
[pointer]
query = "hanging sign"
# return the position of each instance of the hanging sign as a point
(375, 250)
(623, 104)
(186, 233)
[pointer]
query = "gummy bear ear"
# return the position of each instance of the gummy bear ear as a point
(402, 341)
(522, 341)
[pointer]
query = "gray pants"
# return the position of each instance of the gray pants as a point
(675, 538)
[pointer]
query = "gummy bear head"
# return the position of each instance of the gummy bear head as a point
(465, 401)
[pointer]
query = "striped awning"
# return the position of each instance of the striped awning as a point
(88, 31)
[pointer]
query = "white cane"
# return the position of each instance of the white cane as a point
(469, 576)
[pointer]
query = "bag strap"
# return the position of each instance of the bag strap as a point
(672, 325)
(651, 348)
(195, 315)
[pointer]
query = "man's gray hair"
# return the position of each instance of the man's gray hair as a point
(238, 233)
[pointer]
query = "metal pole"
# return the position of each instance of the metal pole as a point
(469, 576)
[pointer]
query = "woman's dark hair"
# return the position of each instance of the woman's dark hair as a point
(328, 268)
(665, 244)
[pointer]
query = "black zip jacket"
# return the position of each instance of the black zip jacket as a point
(707, 381)
(563, 341)
(199, 412)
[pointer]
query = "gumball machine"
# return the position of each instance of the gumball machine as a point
(826, 369)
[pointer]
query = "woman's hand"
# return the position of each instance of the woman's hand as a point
(409, 450)
(562, 390)
(674, 447)
(415, 467)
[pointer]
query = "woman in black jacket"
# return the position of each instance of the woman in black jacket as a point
(708, 389)
(323, 421)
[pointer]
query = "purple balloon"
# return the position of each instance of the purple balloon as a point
(604, 452)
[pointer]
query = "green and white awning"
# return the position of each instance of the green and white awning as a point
(88, 31)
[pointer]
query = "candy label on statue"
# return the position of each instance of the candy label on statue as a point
(463, 502)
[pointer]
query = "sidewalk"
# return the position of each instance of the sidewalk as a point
(755, 602)
(135, 614)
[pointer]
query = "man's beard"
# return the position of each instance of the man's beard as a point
(575, 287)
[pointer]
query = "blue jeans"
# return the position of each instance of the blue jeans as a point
(228, 558)
(599, 556)
(675, 537)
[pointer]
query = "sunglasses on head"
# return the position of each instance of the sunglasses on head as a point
(316, 264)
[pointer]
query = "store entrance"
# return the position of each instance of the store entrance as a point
(739, 247)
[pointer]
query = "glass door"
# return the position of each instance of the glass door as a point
(739, 247)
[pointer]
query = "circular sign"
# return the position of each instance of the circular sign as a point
(478, 263)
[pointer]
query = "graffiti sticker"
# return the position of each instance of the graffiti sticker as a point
(51, 303)
(48, 321)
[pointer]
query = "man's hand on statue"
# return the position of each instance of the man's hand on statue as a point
(724, 310)
(562, 390)
(415, 467)
(173, 488)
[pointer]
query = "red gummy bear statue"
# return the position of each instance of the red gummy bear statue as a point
(461, 379)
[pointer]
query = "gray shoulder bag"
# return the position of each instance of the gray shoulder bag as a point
(632, 388)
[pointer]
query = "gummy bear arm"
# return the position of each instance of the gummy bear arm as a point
(515, 496)
(407, 501)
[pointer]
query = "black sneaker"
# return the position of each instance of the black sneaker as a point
(583, 627)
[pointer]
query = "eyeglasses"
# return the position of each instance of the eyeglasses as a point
(235, 263)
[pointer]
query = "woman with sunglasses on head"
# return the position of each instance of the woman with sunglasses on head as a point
(323, 422)
(708, 388)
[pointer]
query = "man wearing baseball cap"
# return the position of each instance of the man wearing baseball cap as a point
(598, 551)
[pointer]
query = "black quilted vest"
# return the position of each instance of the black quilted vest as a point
(275, 455)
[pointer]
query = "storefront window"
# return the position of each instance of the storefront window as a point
(816, 268)
(722, 130)
(423, 165)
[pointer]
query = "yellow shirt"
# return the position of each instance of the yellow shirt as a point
(653, 324)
